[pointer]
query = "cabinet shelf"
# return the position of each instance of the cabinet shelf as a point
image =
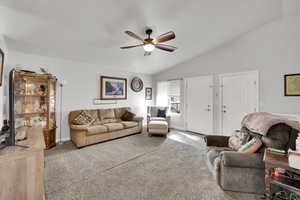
(33, 113)
(287, 183)
(31, 95)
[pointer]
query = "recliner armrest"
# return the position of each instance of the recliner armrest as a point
(242, 160)
(216, 140)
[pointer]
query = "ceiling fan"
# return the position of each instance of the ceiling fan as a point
(149, 44)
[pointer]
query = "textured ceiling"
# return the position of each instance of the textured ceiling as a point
(92, 31)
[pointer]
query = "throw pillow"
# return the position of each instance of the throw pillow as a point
(128, 116)
(83, 118)
(161, 113)
(237, 139)
(252, 146)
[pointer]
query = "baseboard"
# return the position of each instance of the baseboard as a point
(177, 128)
(63, 140)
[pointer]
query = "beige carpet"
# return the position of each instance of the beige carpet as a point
(137, 167)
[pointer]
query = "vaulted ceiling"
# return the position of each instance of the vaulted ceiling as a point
(92, 31)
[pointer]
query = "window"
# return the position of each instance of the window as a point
(174, 96)
(169, 94)
(162, 94)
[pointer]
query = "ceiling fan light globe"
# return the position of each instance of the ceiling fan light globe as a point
(149, 47)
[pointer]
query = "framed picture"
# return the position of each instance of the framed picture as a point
(148, 93)
(1, 65)
(113, 88)
(292, 85)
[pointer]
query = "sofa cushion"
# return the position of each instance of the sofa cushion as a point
(107, 114)
(96, 129)
(129, 124)
(83, 118)
(105, 121)
(114, 126)
(79, 127)
(128, 116)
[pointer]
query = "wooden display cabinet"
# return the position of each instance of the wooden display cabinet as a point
(35, 99)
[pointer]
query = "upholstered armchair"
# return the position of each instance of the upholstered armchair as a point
(244, 172)
(152, 112)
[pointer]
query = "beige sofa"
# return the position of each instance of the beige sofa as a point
(108, 125)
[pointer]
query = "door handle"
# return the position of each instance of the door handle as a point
(224, 111)
(207, 109)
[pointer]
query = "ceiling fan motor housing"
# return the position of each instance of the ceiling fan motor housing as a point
(148, 31)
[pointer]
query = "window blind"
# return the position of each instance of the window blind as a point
(162, 94)
(174, 88)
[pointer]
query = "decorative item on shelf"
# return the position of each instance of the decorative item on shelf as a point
(292, 85)
(1, 65)
(41, 90)
(18, 106)
(21, 133)
(137, 84)
(44, 70)
(148, 93)
(113, 88)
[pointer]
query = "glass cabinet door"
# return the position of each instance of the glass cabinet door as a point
(52, 97)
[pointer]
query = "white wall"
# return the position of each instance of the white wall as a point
(273, 50)
(4, 49)
(83, 84)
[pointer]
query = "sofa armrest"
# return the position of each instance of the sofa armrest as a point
(79, 127)
(242, 160)
(138, 119)
(216, 140)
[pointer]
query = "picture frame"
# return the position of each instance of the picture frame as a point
(148, 93)
(292, 85)
(113, 88)
(1, 66)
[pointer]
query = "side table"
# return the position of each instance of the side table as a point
(273, 161)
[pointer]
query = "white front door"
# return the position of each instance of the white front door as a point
(239, 96)
(199, 104)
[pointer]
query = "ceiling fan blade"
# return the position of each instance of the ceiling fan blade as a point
(166, 37)
(131, 34)
(166, 47)
(147, 53)
(128, 47)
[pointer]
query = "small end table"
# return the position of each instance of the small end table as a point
(273, 161)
